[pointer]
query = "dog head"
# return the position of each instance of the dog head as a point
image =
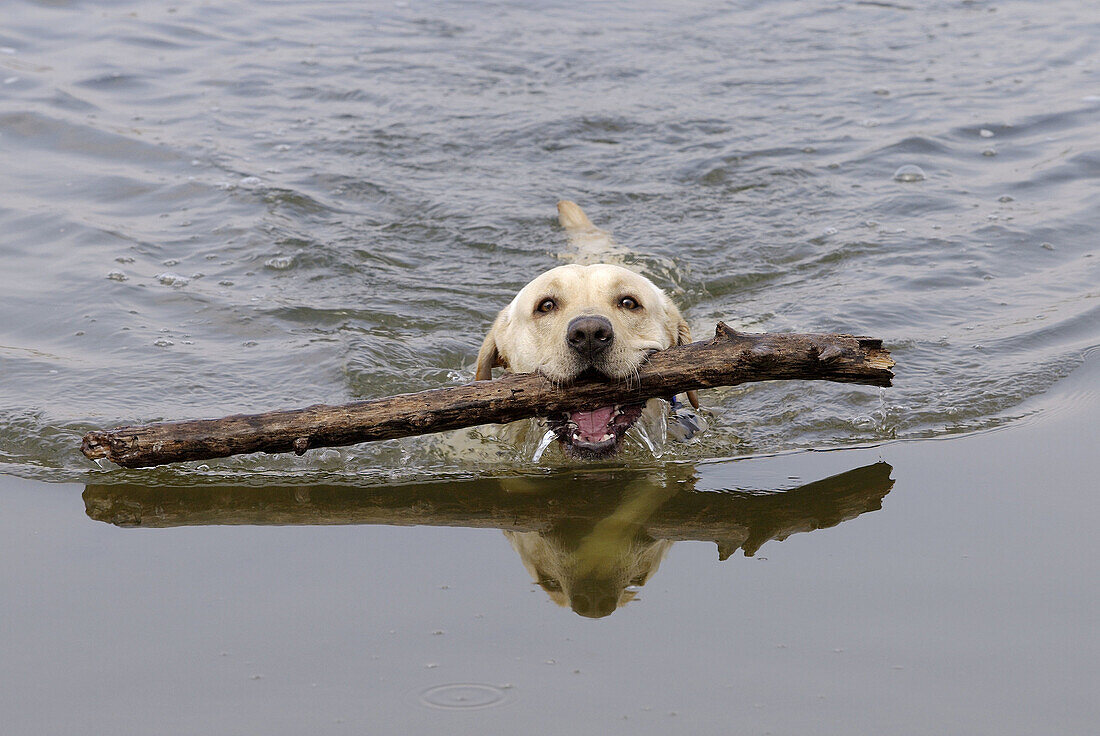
(573, 321)
(592, 576)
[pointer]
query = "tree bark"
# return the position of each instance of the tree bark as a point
(730, 358)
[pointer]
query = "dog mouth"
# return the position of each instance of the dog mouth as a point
(594, 434)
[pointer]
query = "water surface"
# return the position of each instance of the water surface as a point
(213, 208)
(223, 208)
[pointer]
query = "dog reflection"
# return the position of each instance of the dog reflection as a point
(588, 538)
(595, 569)
(595, 577)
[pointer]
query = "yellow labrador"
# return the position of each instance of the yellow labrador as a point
(596, 565)
(586, 320)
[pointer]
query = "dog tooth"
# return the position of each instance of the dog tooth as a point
(605, 438)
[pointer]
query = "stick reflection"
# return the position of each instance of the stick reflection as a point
(588, 538)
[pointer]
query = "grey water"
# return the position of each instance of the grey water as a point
(212, 208)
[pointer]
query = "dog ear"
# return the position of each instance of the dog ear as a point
(683, 337)
(489, 356)
(683, 332)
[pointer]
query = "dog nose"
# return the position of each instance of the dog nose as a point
(594, 599)
(590, 335)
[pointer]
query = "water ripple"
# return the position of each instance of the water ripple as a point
(221, 208)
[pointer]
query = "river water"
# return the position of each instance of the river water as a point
(211, 208)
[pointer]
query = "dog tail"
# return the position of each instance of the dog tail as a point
(589, 244)
(572, 217)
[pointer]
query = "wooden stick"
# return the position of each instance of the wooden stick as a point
(729, 359)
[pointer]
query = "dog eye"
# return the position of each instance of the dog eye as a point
(550, 584)
(547, 305)
(629, 302)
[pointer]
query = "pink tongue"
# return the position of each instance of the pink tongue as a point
(593, 425)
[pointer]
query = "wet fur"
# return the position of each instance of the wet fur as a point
(523, 339)
(598, 572)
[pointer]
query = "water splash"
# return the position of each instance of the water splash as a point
(545, 442)
(652, 435)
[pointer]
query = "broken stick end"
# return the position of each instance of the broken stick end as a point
(722, 331)
(93, 446)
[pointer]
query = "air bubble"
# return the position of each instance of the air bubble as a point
(910, 172)
(280, 263)
(172, 279)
